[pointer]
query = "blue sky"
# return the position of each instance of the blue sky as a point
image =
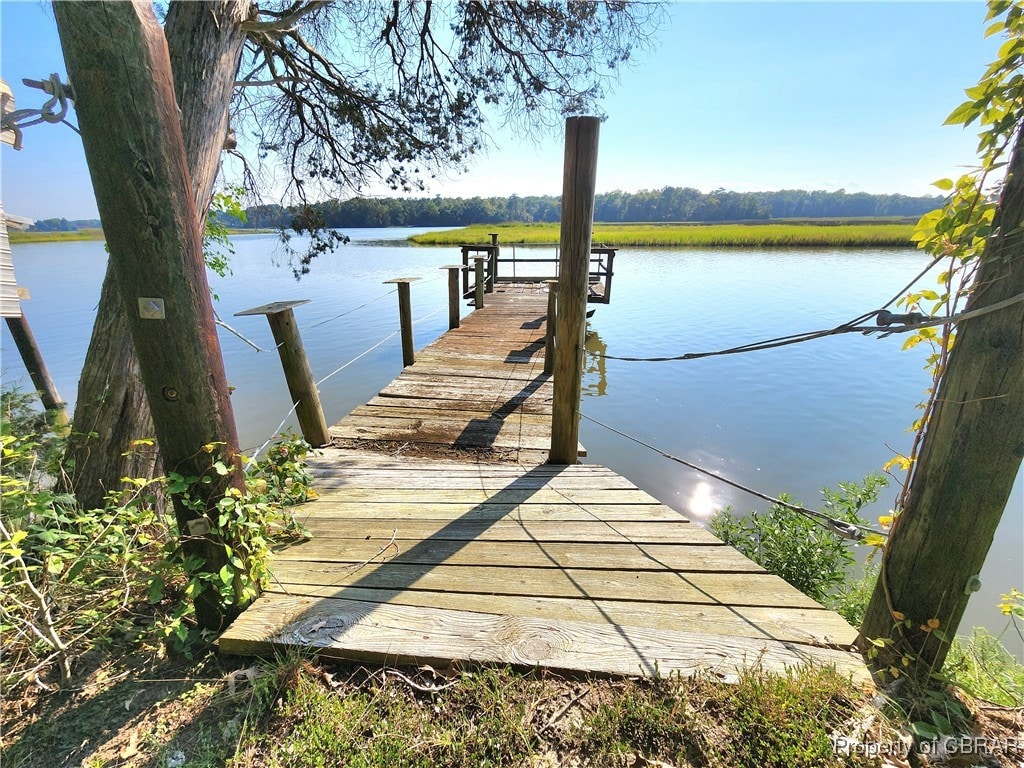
(745, 96)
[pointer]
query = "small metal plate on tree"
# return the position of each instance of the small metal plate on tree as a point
(151, 309)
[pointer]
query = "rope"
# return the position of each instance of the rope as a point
(854, 326)
(350, 311)
(357, 357)
(426, 317)
(846, 530)
(252, 459)
(368, 351)
(225, 326)
(60, 94)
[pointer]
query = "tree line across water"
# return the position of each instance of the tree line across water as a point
(670, 204)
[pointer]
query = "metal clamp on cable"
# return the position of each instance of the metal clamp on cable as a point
(884, 318)
(846, 530)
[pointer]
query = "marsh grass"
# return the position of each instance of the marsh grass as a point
(981, 665)
(834, 234)
(18, 236)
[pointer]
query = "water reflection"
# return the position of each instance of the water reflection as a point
(702, 504)
(595, 377)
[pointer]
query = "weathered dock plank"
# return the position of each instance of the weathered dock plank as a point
(815, 627)
(413, 634)
(381, 530)
(609, 556)
(468, 511)
(663, 586)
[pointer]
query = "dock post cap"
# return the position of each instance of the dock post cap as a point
(403, 280)
(454, 266)
(272, 308)
(478, 257)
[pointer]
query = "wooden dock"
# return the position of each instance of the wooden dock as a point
(479, 387)
(441, 536)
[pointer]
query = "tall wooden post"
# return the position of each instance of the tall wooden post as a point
(453, 294)
(478, 293)
(297, 373)
(493, 262)
(579, 182)
(549, 326)
(405, 317)
(969, 459)
(118, 62)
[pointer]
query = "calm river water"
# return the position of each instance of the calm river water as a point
(787, 420)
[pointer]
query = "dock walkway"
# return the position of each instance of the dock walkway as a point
(458, 544)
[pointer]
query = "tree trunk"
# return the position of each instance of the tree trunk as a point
(205, 41)
(111, 413)
(119, 64)
(969, 458)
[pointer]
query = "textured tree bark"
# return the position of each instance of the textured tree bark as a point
(112, 411)
(205, 42)
(118, 61)
(969, 458)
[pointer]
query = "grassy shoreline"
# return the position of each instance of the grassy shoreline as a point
(810, 234)
(19, 236)
(828, 233)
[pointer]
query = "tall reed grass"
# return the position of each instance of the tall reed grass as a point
(824, 234)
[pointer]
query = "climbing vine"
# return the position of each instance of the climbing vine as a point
(955, 235)
(247, 523)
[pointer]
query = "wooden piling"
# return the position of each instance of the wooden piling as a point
(579, 182)
(405, 317)
(297, 373)
(493, 263)
(549, 327)
(453, 294)
(56, 412)
(478, 295)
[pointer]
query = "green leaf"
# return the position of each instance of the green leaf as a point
(220, 469)
(226, 574)
(942, 723)
(76, 569)
(943, 184)
(963, 115)
(995, 29)
(923, 730)
(156, 589)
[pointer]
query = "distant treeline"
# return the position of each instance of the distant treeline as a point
(63, 225)
(671, 204)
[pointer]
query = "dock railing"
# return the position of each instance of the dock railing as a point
(507, 264)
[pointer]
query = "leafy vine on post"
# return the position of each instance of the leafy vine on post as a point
(969, 445)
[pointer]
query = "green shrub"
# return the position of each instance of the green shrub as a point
(791, 545)
(72, 579)
(850, 599)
